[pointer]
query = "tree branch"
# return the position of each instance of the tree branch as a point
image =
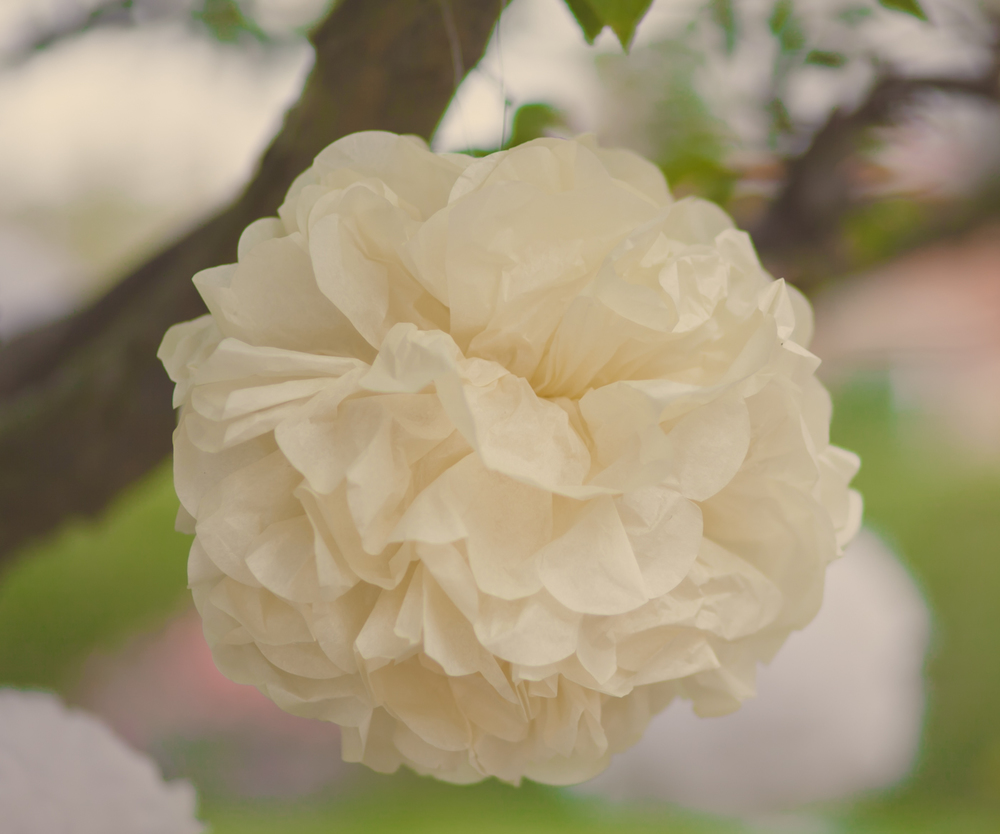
(798, 233)
(84, 404)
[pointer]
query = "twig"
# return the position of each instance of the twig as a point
(798, 230)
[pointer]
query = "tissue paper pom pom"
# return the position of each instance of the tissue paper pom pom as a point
(488, 460)
(63, 771)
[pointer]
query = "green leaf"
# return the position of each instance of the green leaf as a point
(822, 58)
(225, 20)
(724, 16)
(780, 16)
(587, 18)
(622, 16)
(792, 38)
(531, 121)
(785, 25)
(912, 7)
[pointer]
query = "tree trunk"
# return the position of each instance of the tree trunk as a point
(84, 404)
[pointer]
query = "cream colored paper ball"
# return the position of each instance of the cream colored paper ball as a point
(489, 460)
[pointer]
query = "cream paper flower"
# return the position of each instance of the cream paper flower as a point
(488, 460)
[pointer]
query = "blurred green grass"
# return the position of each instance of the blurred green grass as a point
(92, 586)
(96, 584)
(416, 805)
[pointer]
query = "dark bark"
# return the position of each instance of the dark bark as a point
(84, 404)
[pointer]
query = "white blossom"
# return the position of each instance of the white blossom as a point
(64, 772)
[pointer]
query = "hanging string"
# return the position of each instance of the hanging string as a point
(503, 86)
(457, 64)
(451, 30)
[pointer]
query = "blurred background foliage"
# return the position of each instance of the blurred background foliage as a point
(846, 136)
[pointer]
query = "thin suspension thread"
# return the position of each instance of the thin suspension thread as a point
(457, 64)
(451, 30)
(503, 86)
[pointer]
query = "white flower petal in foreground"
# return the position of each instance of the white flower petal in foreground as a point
(488, 460)
(64, 772)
